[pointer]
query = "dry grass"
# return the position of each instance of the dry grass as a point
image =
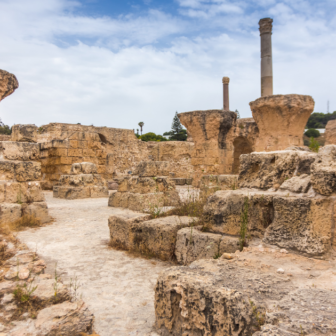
(26, 221)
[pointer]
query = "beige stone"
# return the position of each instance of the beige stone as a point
(38, 210)
(145, 202)
(24, 133)
(297, 184)
(22, 151)
(281, 120)
(7, 170)
(330, 133)
(211, 183)
(8, 84)
(71, 192)
(9, 212)
(98, 191)
(119, 199)
(27, 171)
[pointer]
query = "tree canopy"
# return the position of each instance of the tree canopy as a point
(152, 137)
(312, 133)
(5, 129)
(320, 120)
(177, 133)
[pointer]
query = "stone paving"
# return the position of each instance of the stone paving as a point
(118, 288)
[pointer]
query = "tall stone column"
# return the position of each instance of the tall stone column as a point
(226, 81)
(265, 28)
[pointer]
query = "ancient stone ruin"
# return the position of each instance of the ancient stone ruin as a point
(229, 233)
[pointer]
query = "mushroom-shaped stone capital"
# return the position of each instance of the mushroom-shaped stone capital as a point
(226, 80)
(265, 26)
(8, 84)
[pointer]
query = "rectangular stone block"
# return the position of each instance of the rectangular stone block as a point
(7, 170)
(73, 143)
(58, 152)
(75, 152)
(123, 184)
(2, 191)
(101, 169)
(118, 199)
(24, 133)
(95, 145)
(9, 212)
(27, 171)
(145, 202)
(38, 210)
(71, 192)
(88, 152)
(21, 151)
(99, 191)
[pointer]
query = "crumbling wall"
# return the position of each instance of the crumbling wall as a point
(330, 133)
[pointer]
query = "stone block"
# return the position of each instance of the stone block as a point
(95, 145)
(7, 170)
(24, 133)
(266, 170)
(171, 198)
(75, 152)
(120, 229)
(2, 191)
(179, 181)
(118, 199)
(157, 237)
(71, 192)
(9, 212)
(21, 151)
(112, 185)
(101, 169)
(58, 152)
(228, 244)
(99, 191)
(88, 152)
(37, 209)
(83, 168)
(297, 184)
(27, 171)
(302, 224)
(140, 185)
(147, 169)
(323, 177)
(224, 210)
(193, 244)
(145, 202)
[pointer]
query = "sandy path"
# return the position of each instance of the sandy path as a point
(118, 288)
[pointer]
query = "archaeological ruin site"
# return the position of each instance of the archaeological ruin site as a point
(231, 232)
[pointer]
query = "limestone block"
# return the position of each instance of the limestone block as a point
(24, 133)
(141, 185)
(330, 133)
(21, 151)
(9, 212)
(120, 230)
(7, 170)
(75, 152)
(83, 168)
(123, 184)
(2, 191)
(147, 169)
(281, 120)
(27, 171)
(171, 198)
(324, 171)
(297, 184)
(145, 202)
(157, 237)
(66, 319)
(228, 244)
(37, 209)
(8, 84)
(179, 181)
(301, 224)
(99, 191)
(224, 209)
(266, 170)
(193, 244)
(119, 199)
(211, 183)
(68, 192)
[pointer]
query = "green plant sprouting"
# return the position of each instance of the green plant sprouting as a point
(243, 235)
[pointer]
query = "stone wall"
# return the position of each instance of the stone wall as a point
(330, 133)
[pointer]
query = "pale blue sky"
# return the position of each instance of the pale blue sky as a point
(115, 63)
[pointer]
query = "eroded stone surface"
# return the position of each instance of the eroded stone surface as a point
(8, 84)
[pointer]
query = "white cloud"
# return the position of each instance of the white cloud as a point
(117, 71)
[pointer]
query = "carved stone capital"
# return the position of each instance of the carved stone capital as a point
(265, 26)
(226, 80)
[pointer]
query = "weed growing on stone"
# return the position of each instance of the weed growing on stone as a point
(55, 285)
(243, 235)
(73, 287)
(314, 145)
(23, 292)
(259, 316)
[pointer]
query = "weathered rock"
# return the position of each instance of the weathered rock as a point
(330, 133)
(119, 199)
(22, 151)
(301, 224)
(323, 177)
(83, 168)
(27, 192)
(7, 170)
(46, 289)
(265, 170)
(27, 171)
(71, 192)
(297, 184)
(8, 84)
(9, 212)
(36, 209)
(156, 237)
(66, 319)
(223, 210)
(281, 120)
(24, 133)
(212, 183)
(98, 191)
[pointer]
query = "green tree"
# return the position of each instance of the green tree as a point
(320, 120)
(5, 129)
(152, 137)
(178, 133)
(141, 124)
(312, 132)
(238, 114)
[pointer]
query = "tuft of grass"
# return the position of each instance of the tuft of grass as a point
(26, 221)
(314, 145)
(243, 235)
(259, 316)
(23, 292)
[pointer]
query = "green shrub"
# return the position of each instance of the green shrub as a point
(152, 137)
(314, 145)
(312, 132)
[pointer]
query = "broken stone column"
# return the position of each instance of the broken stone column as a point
(265, 28)
(226, 104)
(281, 120)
